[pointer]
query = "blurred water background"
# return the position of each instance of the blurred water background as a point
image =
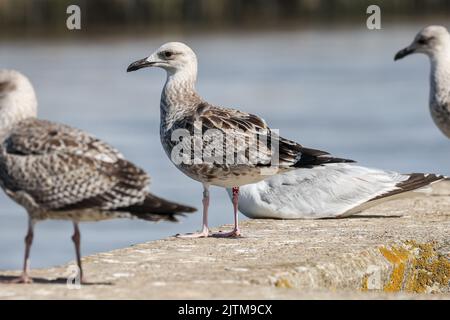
(329, 86)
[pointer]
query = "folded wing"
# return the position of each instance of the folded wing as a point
(61, 168)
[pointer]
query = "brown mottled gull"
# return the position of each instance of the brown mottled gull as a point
(183, 110)
(58, 172)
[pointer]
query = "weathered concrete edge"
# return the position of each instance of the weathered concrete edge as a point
(323, 263)
(402, 266)
(381, 272)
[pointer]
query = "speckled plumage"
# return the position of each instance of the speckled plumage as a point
(239, 127)
(58, 172)
(53, 168)
(182, 108)
(440, 92)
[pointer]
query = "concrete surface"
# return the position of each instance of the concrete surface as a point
(400, 250)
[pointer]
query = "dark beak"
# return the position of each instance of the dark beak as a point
(139, 65)
(403, 53)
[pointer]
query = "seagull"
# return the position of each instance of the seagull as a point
(434, 41)
(328, 191)
(184, 110)
(58, 172)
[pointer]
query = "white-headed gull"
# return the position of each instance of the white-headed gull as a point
(434, 41)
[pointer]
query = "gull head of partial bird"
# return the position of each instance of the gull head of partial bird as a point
(431, 41)
(17, 98)
(171, 56)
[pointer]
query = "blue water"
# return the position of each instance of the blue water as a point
(338, 90)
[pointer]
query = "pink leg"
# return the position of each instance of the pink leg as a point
(236, 232)
(205, 231)
(24, 277)
(76, 240)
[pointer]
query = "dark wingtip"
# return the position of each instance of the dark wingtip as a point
(310, 161)
(189, 209)
(414, 182)
(313, 157)
(338, 160)
(155, 209)
(180, 209)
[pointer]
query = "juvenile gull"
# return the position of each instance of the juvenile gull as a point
(58, 172)
(434, 41)
(183, 108)
(332, 190)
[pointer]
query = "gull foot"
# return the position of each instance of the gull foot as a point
(195, 235)
(232, 234)
(22, 279)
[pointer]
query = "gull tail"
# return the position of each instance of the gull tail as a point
(154, 208)
(416, 181)
(309, 158)
(415, 185)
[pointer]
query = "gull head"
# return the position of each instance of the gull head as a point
(173, 57)
(17, 98)
(431, 41)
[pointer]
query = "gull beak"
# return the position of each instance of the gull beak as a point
(404, 52)
(143, 63)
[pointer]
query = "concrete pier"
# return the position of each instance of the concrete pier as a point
(398, 250)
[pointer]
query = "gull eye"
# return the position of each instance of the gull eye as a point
(167, 54)
(422, 41)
